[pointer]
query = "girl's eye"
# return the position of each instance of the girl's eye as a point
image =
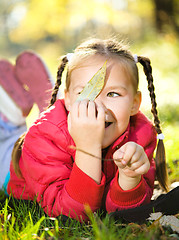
(78, 93)
(113, 94)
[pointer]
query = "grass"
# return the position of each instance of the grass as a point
(26, 220)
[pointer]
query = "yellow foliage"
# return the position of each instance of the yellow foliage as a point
(42, 18)
(58, 17)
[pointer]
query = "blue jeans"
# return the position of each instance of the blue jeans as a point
(6, 182)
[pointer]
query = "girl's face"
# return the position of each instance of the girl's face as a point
(118, 96)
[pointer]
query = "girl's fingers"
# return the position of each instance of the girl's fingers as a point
(74, 110)
(83, 108)
(133, 153)
(136, 157)
(139, 158)
(118, 154)
(129, 150)
(118, 157)
(141, 166)
(144, 168)
(120, 165)
(137, 164)
(96, 111)
(101, 114)
(91, 109)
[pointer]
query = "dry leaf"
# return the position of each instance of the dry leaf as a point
(166, 220)
(94, 86)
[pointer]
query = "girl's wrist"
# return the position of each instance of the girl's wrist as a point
(90, 148)
(128, 183)
(90, 162)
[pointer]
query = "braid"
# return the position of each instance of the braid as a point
(16, 154)
(160, 159)
(148, 72)
(58, 82)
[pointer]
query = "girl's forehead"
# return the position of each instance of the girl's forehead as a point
(89, 61)
(85, 71)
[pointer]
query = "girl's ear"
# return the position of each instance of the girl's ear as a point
(67, 100)
(136, 103)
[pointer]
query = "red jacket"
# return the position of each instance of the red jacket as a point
(51, 175)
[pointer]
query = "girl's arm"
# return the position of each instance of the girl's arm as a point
(138, 191)
(118, 199)
(86, 126)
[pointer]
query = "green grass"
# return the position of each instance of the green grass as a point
(26, 220)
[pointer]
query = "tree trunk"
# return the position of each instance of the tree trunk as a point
(165, 14)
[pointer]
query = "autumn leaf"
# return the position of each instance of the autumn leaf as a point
(94, 86)
(164, 220)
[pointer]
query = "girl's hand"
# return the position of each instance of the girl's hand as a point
(86, 124)
(132, 164)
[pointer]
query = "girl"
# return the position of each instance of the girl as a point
(97, 152)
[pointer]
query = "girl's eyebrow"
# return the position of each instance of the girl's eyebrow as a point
(78, 86)
(107, 88)
(117, 87)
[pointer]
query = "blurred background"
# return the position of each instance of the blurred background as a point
(52, 28)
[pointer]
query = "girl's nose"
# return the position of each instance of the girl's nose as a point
(99, 101)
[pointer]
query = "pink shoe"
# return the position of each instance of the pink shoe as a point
(14, 88)
(32, 73)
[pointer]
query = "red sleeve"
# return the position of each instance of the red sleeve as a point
(84, 189)
(118, 199)
(129, 197)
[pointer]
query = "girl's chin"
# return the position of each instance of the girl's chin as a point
(106, 144)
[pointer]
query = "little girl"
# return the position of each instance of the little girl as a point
(97, 152)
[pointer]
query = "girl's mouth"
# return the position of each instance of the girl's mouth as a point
(107, 124)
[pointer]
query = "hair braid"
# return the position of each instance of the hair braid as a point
(160, 159)
(16, 154)
(61, 68)
(148, 72)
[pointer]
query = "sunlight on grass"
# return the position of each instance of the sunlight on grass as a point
(26, 220)
(164, 61)
(171, 133)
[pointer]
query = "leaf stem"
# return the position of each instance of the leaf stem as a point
(92, 155)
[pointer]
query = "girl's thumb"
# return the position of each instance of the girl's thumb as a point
(118, 154)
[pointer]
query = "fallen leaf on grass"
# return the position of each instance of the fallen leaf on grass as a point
(166, 220)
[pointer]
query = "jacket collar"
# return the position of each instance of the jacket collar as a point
(120, 140)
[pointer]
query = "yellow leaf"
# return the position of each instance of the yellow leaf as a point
(94, 86)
